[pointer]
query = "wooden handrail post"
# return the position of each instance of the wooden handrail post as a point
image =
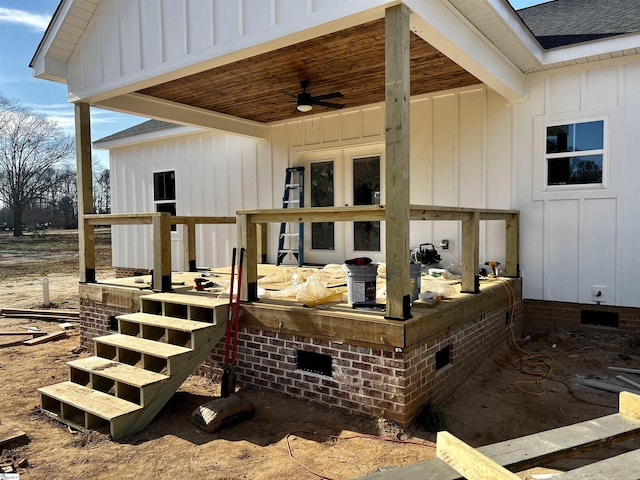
(512, 267)
(471, 253)
(248, 239)
(189, 245)
(262, 242)
(162, 252)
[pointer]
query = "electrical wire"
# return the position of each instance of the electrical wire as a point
(538, 365)
(336, 438)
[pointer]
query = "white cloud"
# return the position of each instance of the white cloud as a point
(36, 21)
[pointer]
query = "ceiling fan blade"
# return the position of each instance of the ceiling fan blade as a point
(286, 92)
(328, 104)
(327, 96)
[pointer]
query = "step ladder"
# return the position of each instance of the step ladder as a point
(292, 242)
(136, 371)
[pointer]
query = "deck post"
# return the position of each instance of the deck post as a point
(397, 98)
(248, 239)
(84, 175)
(471, 253)
(161, 252)
(189, 245)
(512, 267)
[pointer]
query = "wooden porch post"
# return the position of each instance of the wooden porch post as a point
(397, 99)
(86, 233)
(162, 252)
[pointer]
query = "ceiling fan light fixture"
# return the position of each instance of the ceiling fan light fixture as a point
(305, 102)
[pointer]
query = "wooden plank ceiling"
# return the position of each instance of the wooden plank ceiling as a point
(350, 61)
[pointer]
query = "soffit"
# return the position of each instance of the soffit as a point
(351, 61)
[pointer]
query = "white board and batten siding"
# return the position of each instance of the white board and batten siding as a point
(215, 176)
(460, 156)
(128, 42)
(574, 239)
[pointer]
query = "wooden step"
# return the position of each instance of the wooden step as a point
(125, 381)
(147, 354)
(121, 372)
(176, 331)
(173, 323)
(83, 407)
(190, 306)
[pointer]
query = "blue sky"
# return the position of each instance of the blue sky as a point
(22, 25)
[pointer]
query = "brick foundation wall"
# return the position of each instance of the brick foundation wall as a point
(368, 381)
(96, 319)
(124, 272)
(541, 317)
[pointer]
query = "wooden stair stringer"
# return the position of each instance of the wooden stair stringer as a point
(182, 367)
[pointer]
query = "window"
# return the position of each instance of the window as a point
(164, 193)
(575, 153)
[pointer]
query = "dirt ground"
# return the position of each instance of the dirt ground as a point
(290, 439)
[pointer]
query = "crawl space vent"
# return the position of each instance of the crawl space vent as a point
(314, 362)
(601, 319)
(443, 357)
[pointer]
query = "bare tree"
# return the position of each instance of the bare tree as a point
(102, 192)
(31, 149)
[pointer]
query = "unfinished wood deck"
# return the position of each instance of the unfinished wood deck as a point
(337, 320)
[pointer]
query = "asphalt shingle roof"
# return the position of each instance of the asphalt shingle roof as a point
(146, 127)
(567, 22)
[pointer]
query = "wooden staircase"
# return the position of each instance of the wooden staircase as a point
(137, 370)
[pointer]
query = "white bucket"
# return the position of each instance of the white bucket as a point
(415, 272)
(361, 283)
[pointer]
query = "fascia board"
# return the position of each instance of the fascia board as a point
(442, 26)
(163, 134)
(38, 61)
(521, 33)
(150, 107)
(594, 48)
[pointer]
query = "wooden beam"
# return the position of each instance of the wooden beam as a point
(469, 462)
(471, 253)
(629, 405)
(162, 252)
(397, 97)
(86, 234)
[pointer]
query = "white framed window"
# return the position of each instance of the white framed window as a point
(164, 193)
(575, 155)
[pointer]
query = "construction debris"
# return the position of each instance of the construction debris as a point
(11, 437)
(10, 463)
(46, 338)
(46, 315)
(33, 333)
(608, 387)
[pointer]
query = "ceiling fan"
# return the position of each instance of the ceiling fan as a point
(305, 101)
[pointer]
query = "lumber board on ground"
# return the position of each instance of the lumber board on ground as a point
(26, 332)
(468, 461)
(11, 437)
(625, 370)
(537, 449)
(608, 387)
(625, 466)
(45, 338)
(65, 313)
